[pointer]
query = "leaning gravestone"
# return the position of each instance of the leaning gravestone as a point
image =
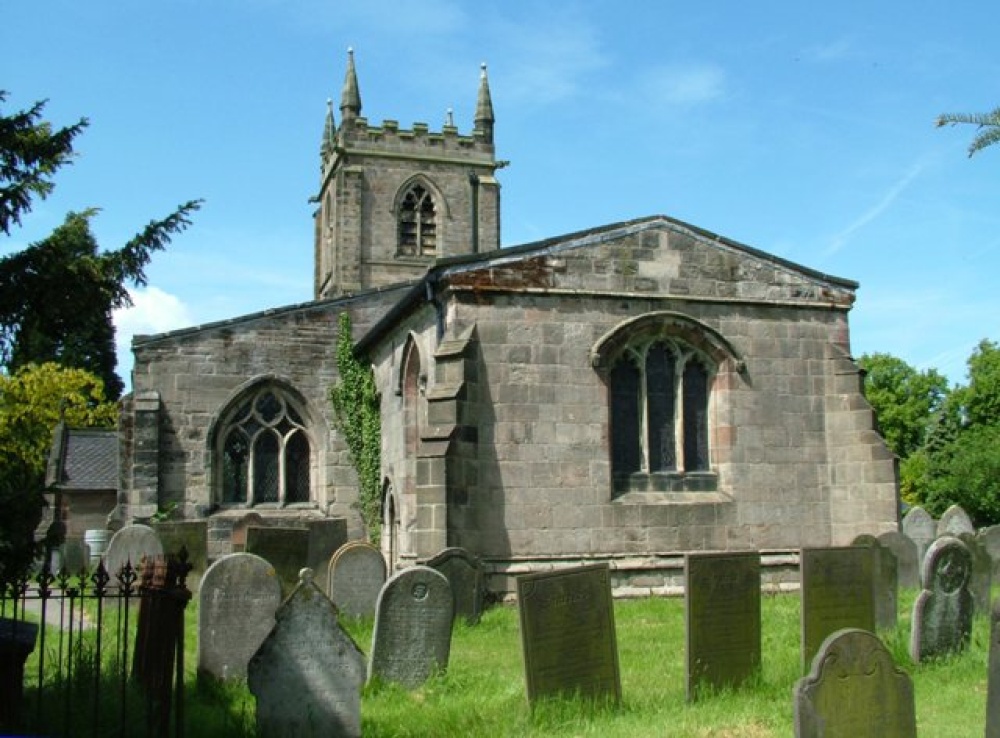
(905, 551)
(920, 528)
(885, 581)
(942, 613)
(722, 615)
(837, 592)
(954, 522)
(130, 545)
(993, 676)
(308, 673)
(412, 636)
(357, 573)
(854, 690)
(287, 550)
(236, 604)
(464, 574)
(568, 633)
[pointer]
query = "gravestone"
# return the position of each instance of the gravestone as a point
(236, 604)
(238, 538)
(981, 576)
(855, 690)
(357, 573)
(837, 592)
(287, 550)
(989, 537)
(885, 580)
(130, 545)
(189, 534)
(722, 615)
(308, 673)
(954, 522)
(920, 528)
(75, 556)
(905, 551)
(412, 636)
(942, 612)
(993, 676)
(465, 575)
(568, 633)
(325, 537)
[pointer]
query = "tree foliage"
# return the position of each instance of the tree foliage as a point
(356, 408)
(57, 295)
(987, 123)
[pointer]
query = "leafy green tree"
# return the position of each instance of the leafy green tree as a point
(988, 124)
(32, 401)
(57, 295)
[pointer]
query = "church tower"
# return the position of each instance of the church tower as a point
(392, 201)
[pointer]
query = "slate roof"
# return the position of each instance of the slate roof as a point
(85, 459)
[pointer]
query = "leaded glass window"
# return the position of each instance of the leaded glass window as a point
(417, 223)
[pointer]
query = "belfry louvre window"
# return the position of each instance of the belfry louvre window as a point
(659, 409)
(417, 223)
(265, 452)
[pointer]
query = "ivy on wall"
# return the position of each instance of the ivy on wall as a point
(356, 409)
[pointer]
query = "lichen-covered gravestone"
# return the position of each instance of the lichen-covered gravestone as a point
(954, 522)
(722, 617)
(905, 551)
(837, 592)
(308, 673)
(568, 633)
(357, 573)
(885, 581)
(854, 690)
(412, 636)
(942, 613)
(130, 545)
(921, 528)
(236, 604)
(465, 575)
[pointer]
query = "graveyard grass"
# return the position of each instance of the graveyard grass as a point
(483, 692)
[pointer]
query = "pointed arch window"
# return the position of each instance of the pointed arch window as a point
(417, 223)
(265, 452)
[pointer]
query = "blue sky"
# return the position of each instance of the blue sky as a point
(806, 130)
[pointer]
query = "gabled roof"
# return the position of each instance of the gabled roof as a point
(84, 459)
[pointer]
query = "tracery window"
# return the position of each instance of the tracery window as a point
(417, 223)
(265, 452)
(659, 392)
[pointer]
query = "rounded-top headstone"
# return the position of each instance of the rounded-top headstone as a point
(921, 528)
(357, 573)
(130, 545)
(239, 596)
(942, 612)
(905, 551)
(955, 522)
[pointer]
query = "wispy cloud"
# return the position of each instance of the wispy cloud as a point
(836, 50)
(683, 84)
(841, 239)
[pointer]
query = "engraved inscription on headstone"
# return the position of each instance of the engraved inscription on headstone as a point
(236, 604)
(357, 573)
(308, 672)
(942, 613)
(130, 545)
(993, 676)
(723, 623)
(905, 551)
(465, 575)
(855, 690)
(568, 633)
(884, 581)
(837, 591)
(287, 550)
(412, 636)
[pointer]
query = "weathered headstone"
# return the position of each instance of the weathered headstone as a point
(308, 673)
(325, 537)
(942, 613)
(854, 690)
(921, 528)
(905, 551)
(238, 538)
(885, 580)
(989, 537)
(236, 604)
(568, 633)
(993, 676)
(191, 535)
(130, 545)
(465, 575)
(981, 576)
(75, 556)
(287, 550)
(412, 636)
(837, 592)
(357, 573)
(954, 522)
(722, 615)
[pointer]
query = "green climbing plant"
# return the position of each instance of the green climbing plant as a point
(356, 409)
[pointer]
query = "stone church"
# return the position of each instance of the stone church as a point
(621, 394)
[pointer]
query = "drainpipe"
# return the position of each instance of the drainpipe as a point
(474, 186)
